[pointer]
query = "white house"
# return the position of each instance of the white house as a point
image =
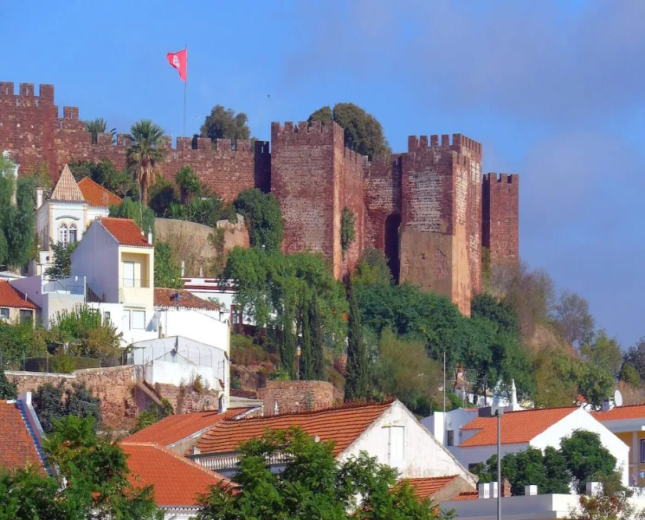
(66, 214)
(387, 431)
(476, 441)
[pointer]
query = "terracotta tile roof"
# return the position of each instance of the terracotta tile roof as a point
(177, 480)
(174, 428)
(125, 231)
(428, 487)
(468, 495)
(96, 194)
(343, 425)
(17, 446)
(517, 427)
(12, 297)
(187, 300)
(634, 411)
(66, 189)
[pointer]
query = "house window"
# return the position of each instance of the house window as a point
(62, 234)
(26, 316)
(72, 233)
(642, 450)
(450, 440)
(138, 319)
(396, 444)
(128, 274)
(4, 314)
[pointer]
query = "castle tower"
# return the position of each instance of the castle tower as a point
(440, 234)
(500, 218)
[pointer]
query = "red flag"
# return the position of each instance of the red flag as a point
(179, 61)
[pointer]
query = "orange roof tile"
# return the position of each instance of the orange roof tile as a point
(125, 231)
(633, 411)
(429, 486)
(467, 495)
(517, 427)
(12, 297)
(17, 446)
(343, 425)
(66, 189)
(174, 428)
(187, 300)
(96, 194)
(177, 480)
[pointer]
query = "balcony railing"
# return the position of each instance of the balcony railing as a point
(135, 283)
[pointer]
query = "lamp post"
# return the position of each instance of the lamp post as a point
(298, 352)
(499, 413)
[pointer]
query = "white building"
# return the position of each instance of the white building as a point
(66, 214)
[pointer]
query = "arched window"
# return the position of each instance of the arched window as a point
(62, 234)
(72, 233)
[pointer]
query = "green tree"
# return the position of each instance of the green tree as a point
(288, 345)
(161, 196)
(145, 154)
(98, 126)
(357, 376)
(8, 389)
(62, 266)
(189, 184)
(556, 378)
(635, 356)
(587, 459)
(134, 210)
(313, 485)
(603, 353)
(629, 375)
(498, 311)
(372, 269)
(17, 221)
(317, 341)
(347, 229)
(263, 218)
(224, 123)
(573, 318)
(152, 415)
(306, 361)
(595, 384)
(53, 403)
(363, 133)
(167, 269)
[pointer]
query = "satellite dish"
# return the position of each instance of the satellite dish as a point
(618, 398)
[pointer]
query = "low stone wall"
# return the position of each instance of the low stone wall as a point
(298, 396)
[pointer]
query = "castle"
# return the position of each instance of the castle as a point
(429, 209)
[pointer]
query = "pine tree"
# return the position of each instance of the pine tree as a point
(307, 357)
(288, 349)
(356, 378)
(317, 341)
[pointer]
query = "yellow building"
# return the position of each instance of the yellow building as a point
(628, 424)
(15, 306)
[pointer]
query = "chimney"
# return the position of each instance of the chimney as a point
(276, 410)
(149, 237)
(530, 490)
(484, 490)
(606, 405)
(39, 197)
(493, 489)
(223, 405)
(183, 268)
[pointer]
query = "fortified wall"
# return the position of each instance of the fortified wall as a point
(429, 209)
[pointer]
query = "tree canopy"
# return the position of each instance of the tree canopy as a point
(223, 123)
(145, 155)
(263, 218)
(363, 133)
(167, 270)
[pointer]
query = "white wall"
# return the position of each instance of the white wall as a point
(97, 258)
(423, 456)
(454, 420)
(582, 420)
(165, 372)
(199, 325)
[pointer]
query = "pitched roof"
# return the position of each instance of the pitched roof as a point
(174, 428)
(66, 189)
(517, 427)
(634, 411)
(468, 495)
(177, 480)
(343, 425)
(96, 194)
(124, 231)
(12, 297)
(17, 446)
(187, 300)
(427, 487)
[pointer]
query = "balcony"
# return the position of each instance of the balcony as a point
(135, 291)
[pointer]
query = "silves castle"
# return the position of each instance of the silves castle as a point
(430, 209)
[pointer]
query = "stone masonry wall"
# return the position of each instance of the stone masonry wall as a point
(382, 196)
(500, 218)
(352, 197)
(298, 396)
(31, 129)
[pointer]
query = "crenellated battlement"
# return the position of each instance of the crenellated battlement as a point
(458, 142)
(354, 158)
(302, 127)
(26, 95)
(502, 178)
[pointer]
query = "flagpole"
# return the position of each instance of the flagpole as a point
(185, 90)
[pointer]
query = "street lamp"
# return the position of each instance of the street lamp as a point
(298, 352)
(499, 413)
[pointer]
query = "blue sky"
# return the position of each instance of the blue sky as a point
(554, 90)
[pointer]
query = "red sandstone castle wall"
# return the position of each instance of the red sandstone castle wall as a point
(31, 130)
(382, 195)
(500, 218)
(352, 197)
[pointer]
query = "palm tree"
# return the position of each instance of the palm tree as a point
(98, 126)
(145, 154)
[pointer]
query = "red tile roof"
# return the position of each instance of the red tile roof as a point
(343, 425)
(517, 427)
(634, 411)
(468, 495)
(96, 194)
(177, 480)
(12, 297)
(429, 486)
(187, 300)
(125, 231)
(17, 446)
(174, 428)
